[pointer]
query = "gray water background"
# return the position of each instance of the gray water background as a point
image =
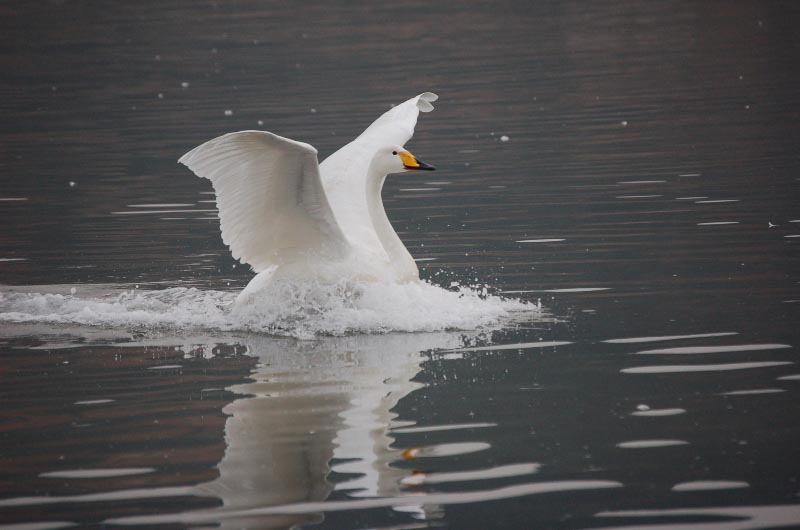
(615, 113)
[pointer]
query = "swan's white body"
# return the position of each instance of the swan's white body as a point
(291, 218)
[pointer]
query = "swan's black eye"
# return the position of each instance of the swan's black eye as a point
(394, 152)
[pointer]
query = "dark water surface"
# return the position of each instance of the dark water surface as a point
(633, 165)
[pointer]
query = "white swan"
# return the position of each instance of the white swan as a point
(291, 218)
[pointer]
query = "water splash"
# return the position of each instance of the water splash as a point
(301, 311)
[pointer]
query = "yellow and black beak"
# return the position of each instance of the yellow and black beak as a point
(411, 162)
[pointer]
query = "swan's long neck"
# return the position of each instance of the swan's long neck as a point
(401, 259)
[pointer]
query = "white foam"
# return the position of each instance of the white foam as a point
(301, 311)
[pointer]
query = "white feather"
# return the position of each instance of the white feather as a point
(284, 214)
(272, 206)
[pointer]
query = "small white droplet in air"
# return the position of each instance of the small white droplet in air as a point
(642, 407)
(72, 291)
(313, 111)
(71, 183)
(184, 84)
(228, 112)
(160, 95)
(624, 123)
(504, 138)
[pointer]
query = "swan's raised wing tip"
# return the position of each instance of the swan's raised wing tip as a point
(424, 101)
(242, 136)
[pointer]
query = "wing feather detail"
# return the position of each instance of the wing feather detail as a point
(272, 205)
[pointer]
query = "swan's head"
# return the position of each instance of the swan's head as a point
(396, 159)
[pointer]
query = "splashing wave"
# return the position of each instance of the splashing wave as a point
(301, 311)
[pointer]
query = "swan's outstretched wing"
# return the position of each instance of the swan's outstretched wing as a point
(272, 206)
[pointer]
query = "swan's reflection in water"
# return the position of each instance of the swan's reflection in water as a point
(314, 407)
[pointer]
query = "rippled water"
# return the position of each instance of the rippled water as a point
(609, 337)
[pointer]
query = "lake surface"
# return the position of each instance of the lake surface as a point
(621, 178)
